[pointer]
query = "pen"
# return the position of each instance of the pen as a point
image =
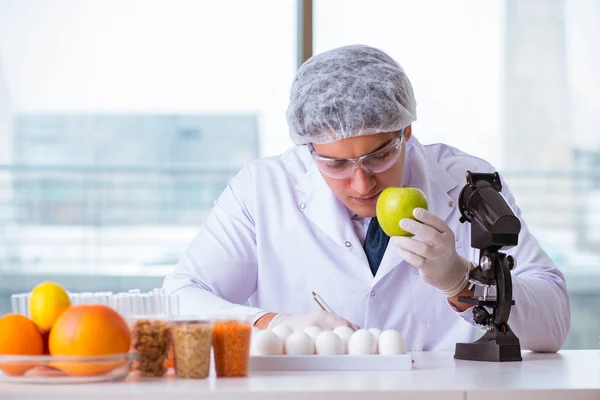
(321, 303)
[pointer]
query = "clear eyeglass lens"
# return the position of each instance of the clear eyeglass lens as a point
(375, 163)
(381, 162)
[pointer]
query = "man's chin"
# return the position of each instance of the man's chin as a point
(364, 211)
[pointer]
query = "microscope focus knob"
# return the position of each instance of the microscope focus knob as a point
(512, 263)
(486, 263)
(481, 316)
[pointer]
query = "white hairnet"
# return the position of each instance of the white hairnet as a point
(349, 91)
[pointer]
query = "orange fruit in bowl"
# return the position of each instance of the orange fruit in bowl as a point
(19, 336)
(47, 302)
(89, 330)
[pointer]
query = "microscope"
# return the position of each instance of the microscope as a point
(493, 226)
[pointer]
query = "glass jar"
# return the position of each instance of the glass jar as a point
(192, 340)
(151, 340)
(231, 344)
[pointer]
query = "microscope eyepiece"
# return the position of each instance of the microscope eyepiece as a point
(493, 222)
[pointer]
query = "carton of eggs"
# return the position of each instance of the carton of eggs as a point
(313, 340)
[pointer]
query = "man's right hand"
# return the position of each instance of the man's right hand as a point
(323, 319)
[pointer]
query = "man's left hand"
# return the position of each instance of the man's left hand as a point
(433, 252)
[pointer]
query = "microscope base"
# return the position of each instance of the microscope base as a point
(490, 347)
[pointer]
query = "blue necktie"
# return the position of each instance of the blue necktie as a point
(376, 242)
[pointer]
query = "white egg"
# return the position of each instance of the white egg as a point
(255, 330)
(391, 343)
(265, 343)
(362, 342)
(328, 342)
(344, 332)
(376, 332)
(283, 331)
(300, 342)
(313, 331)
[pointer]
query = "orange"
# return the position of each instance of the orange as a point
(19, 336)
(89, 330)
(48, 300)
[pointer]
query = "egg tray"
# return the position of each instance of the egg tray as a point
(342, 362)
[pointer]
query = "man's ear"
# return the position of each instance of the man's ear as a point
(407, 133)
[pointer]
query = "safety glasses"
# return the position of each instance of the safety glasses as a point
(376, 162)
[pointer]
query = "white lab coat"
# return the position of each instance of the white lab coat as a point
(277, 233)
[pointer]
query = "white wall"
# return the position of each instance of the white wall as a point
(152, 56)
(583, 64)
(451, 51)
(239, 55)
(5, 120)
(454, 54)
(5, 158)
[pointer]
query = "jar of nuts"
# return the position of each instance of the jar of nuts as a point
(151, 339)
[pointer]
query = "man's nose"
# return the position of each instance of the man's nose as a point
(362, 181)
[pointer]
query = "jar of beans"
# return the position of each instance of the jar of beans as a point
(231, 345)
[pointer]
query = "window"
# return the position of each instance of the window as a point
(485, 84)
(114, 143)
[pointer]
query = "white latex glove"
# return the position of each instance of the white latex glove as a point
(432, 251)
(323, 319)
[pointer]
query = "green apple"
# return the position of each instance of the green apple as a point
(394, 204)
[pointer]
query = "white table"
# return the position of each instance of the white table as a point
(568, 374)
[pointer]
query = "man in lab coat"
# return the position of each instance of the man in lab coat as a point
(303, 221)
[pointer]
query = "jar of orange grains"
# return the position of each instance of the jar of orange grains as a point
(231, 346)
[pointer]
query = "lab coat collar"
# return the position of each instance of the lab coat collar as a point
(323, 208)
(320, 205)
